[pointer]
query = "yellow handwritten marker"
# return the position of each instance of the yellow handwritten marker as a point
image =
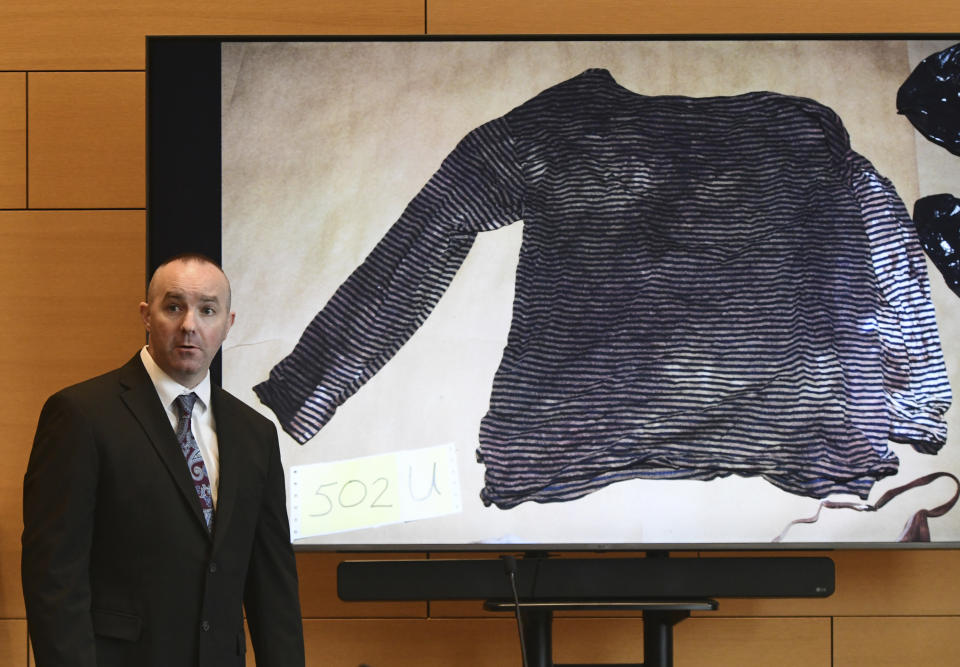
(374, 491)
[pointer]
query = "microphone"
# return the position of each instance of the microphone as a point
(510, 569)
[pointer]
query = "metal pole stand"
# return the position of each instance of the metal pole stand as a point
(659, 617)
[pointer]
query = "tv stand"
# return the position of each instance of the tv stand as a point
(659, 617)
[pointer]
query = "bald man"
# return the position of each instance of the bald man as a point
(154, 506)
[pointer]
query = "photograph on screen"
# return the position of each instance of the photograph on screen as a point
(596, 293)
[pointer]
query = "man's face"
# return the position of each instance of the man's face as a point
(187, 315)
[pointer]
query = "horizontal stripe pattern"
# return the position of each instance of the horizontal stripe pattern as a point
(706, 287)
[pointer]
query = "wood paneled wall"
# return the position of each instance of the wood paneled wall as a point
(72, 257)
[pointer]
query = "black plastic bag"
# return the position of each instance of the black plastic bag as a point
(930, 98)
(937, 219)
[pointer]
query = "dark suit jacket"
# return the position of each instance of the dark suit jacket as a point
(118, 568)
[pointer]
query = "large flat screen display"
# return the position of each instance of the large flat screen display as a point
(577, 293)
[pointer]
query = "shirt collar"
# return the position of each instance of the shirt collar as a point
(168, 389)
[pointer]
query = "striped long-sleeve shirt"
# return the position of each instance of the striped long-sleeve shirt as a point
(705, 287)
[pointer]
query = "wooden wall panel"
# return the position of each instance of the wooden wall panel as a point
(87, 143)
(736, 642)
(13, 642)
(70, 283)
(105, 35)
(727, 642)
(411, 643)
(898, 582)
(13, 139)
(688, 16)
(895, 642)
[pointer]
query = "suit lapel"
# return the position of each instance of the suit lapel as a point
(141, 398)
(229, 439)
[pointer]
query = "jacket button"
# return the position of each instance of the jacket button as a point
(205, 626)
(213, 567)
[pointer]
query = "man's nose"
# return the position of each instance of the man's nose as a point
(189, 321)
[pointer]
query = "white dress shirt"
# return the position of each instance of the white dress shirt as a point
(202, 423)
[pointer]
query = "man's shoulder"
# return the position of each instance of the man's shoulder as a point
(238, 409)
(110, 381)
(88, 401)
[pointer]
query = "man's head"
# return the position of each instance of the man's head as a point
(187, 314)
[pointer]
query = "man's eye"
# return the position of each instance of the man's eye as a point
(208, 311)
(173, 307)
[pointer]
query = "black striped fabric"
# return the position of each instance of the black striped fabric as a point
(705, 287)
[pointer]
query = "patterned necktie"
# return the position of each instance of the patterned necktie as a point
(191, 452)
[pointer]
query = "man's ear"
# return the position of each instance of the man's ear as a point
(145, 315)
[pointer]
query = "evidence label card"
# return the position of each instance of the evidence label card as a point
(373, 491)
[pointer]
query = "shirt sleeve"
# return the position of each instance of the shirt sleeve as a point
(916, 388)
(478, 187)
